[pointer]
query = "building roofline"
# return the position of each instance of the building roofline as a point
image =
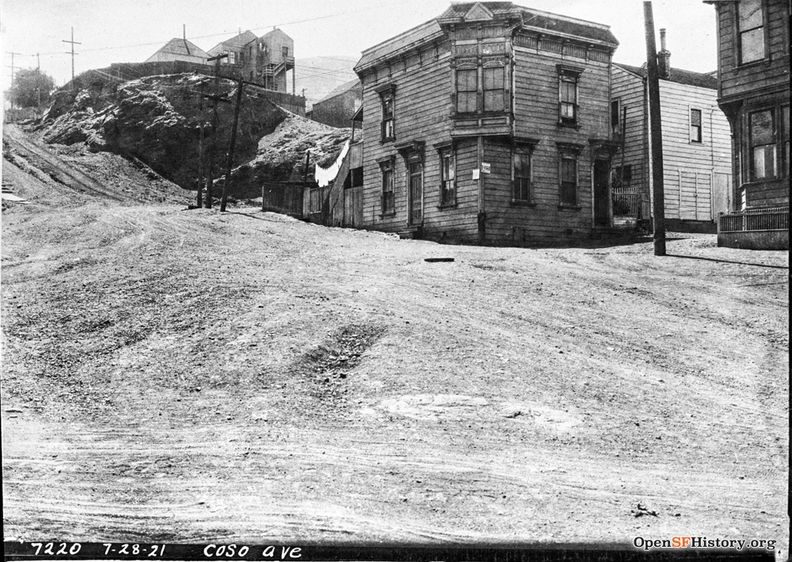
(406, 31)
(562, 17)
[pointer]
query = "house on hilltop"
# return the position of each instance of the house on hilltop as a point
(490, 123)
(696, 146)
(263, 60)
(753, 92)
(179, 50)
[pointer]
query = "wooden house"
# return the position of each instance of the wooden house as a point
(263, 60)
(753, 77)
(179, 49)
(337, 108)
(696, 146)
(489, 123)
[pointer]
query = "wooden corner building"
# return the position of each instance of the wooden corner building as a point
(489, 124)
(753, 92)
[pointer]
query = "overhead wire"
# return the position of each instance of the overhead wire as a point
(153, 43)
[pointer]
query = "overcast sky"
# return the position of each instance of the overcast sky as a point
(131, 30)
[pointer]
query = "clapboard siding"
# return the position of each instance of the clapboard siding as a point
(421, 106)
(423, 82)
(536, 97)
(688, 167)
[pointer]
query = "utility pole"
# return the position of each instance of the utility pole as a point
(655, 127)
(216, 99)
(38, 81)
(199, 200)
(230, 161)
(13, 73)
(73, 43)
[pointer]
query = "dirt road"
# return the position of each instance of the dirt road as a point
(186, 375)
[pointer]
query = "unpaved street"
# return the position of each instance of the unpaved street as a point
(191, 376)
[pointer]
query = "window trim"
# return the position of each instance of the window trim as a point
(700, 139)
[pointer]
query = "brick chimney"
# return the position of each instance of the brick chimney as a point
(663, 57)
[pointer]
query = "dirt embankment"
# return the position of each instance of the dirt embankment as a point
(291, 153)
(158, 120)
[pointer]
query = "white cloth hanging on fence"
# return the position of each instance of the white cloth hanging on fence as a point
(324, 176)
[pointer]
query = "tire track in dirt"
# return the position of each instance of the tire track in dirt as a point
(55, 167)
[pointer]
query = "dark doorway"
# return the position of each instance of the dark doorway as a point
(416, 193)
(601, 195)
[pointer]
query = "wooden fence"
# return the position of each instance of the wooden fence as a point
(283, 197)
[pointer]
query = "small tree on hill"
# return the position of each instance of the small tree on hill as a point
(31, 88)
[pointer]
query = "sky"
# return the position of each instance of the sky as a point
(132, 30)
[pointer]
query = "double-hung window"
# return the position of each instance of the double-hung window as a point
(521, 174)
(467, 90)
(763, 139)
(388, 127)
(750, 26)
(494, 78)
(447, 177)
(568, 107)
(569, 179)
(695, 125)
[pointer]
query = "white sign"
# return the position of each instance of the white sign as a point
(475, 173)
(485, 167)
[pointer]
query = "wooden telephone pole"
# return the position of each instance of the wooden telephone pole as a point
(73, 43)
(216, 98)
(13, 72)
(230, 160)
(199, 198)
(655, 126)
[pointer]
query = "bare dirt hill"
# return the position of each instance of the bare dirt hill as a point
(323, 384)
(157, 120)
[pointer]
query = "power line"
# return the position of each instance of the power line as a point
(153, 43)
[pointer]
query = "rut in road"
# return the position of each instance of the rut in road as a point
(56, 168)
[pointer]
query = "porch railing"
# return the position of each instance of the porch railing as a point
(626, 201)
(753, 220)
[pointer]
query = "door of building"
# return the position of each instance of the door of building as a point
(721, 194)
(601, 195)
(416, 193)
